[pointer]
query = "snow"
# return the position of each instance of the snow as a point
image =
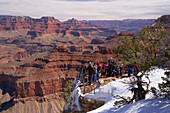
(106, 93)
(144, 106)
(117, 87)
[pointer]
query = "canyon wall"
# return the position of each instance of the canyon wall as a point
(47, 75)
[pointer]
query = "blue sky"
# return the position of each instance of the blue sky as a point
(86, 9)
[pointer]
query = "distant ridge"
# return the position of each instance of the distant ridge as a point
(127, 25)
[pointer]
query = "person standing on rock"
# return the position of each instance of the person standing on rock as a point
(111, 63)
(130, 69)
(117, 71)
(99, 67)
(95, 72)
(90, 71)
(83, 72)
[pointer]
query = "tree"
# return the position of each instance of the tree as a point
(164, 87)
(146, 51)
(67, 90)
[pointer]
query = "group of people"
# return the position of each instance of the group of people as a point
(93, 71)
(110, 69)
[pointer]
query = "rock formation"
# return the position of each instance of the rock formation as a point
(48, 25)
(97, 41)
(11, 53)
(163, 22)
(47, 75)
(44, 34)
(127, 25)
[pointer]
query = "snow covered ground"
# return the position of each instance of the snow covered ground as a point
(117, 87)
(143, 106)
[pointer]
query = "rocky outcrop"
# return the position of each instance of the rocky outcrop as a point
(119, 35)
(165, 19)
(97, 41)
(112, 37)
(125, 34)
(75, 33)
(15, 22)
(7, 80)
(33, 86)
(75, 24)
(163, 23)
(11, 53)
(89, 104)
(107, 51)
(85, 28)
(45, 25)
(47, 104)
(34, 33)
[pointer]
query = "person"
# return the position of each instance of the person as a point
(99, 67)
(117, 71)
(90, 71)
(84, 72)
(135, 68)
(106, 69)
(95, 72)
(120, 66)
(130, 69)
(111, 63)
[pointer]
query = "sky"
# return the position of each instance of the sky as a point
(87, 9)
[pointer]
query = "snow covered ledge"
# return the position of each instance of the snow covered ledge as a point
(119, 88)
(105, 94)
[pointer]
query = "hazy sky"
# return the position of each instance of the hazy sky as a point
(86, 9)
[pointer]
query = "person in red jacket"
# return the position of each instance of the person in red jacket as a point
(99, 67)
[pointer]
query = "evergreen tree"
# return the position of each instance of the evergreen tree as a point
(146, 51)
(164, 87)
(67, 90)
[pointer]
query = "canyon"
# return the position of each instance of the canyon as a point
(38, 56)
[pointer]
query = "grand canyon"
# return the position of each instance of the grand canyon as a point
(38, 56)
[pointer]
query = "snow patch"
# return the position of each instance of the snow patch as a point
(117, 87)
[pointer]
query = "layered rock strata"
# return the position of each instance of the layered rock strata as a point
(48, 25)
(47, 75)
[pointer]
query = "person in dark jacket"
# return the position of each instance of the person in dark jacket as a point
(84, 72)
(130, 69)
(111, 63)
(117, 71)
(90, 71)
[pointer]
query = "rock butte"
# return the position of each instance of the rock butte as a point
(48, 25)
